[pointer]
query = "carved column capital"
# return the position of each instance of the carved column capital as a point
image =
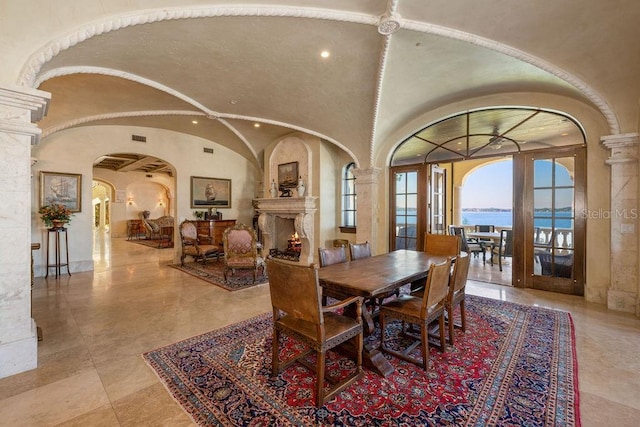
(624, 147)
(19, 108)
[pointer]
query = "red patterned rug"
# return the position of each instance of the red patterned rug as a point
(516, 365)
(212, 272)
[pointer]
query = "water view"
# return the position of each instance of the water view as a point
(505, 218)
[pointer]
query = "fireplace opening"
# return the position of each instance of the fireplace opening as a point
(288, 244)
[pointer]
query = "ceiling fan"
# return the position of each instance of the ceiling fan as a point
(495, 142)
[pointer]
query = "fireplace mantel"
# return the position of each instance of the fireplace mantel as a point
(300, 209)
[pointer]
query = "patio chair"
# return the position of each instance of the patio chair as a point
(470, 246)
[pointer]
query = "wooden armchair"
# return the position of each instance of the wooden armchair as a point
(241, 251)
(419, 311)
(298, 313)
(192, 246)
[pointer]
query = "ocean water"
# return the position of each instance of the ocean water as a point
(506, 219)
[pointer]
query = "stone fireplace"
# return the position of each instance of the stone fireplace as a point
(287, 223)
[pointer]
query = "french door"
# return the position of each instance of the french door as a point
(551, 251)
(417, 205)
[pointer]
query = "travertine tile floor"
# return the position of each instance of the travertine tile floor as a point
(97, 324)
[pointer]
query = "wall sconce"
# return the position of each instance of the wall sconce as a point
(160, 202)
(130, 201)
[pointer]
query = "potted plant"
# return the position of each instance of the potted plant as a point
(55, 215)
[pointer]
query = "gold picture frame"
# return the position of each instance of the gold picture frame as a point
(61, 189)
(210, 192)
(288, 175)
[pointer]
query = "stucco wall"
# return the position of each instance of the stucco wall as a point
(75, 150)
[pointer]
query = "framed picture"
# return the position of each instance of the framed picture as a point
(210, 192)
(120, 196)
(62, 189)
(288, 175)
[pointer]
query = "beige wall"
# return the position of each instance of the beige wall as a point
(75, 150)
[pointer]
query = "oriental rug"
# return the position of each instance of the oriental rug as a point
(212, 272)
(515, 365)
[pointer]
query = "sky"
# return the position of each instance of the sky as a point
(489, 187)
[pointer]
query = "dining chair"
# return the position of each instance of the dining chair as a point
(442, 244)
(299, 314)
(471, 246)
(240, 244)
(334, 255)
(419, 311)
(456, 294)
(504, 248)
(359, 250)
(437, 244)
(193, 246)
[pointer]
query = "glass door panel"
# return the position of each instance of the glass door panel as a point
(554, 225)
(437, 201)
(406, 212)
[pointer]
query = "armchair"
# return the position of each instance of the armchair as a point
(192, 246)
(299, 314)
(241, 250)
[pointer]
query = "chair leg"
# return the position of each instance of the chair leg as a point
(450, 323)
(424, 334)
(463, 316)
(443, 339)
(320, 378)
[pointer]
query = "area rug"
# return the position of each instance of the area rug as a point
(213, 272)
(515, 365)
(153, 243)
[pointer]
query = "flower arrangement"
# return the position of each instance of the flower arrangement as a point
(55, 212)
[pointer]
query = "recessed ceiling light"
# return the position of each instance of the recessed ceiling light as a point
(195, 122)
(325, 53)
(564, 134)
(256, 125)
(233, 102)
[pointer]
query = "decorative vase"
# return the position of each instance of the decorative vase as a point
(273, 190)
(301, 187)
(58, 224)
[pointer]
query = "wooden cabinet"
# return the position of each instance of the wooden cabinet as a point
(214, 229)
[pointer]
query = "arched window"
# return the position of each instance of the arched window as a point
(348, 197)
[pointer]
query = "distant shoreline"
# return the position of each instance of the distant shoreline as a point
(485, 210)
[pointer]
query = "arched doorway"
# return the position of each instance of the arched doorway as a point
(480, 136)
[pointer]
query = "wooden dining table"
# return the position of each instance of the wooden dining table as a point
(374, 277)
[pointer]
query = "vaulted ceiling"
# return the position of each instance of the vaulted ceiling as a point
(244, 75)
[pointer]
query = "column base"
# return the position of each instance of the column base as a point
(622, 301)
(19, 356)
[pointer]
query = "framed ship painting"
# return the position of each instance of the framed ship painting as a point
(210, 192)
(288, 175)
(61, 189)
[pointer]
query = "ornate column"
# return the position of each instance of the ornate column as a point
(624, 289)
(19, 108)
(367, 205)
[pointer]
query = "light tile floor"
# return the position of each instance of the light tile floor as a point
(97, 324)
